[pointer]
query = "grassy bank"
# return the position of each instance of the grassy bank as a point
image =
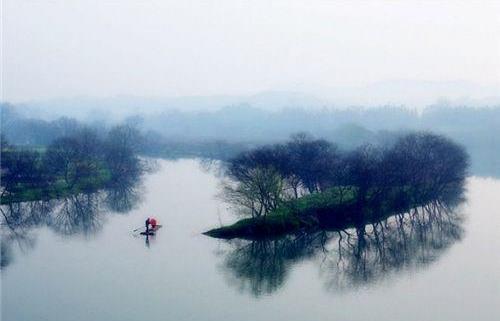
(303, 213)
(329, 210)
(57, 189)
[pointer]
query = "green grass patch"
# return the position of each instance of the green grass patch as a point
(259, 226)
(292, 215)
(328, 210)
(57, 189)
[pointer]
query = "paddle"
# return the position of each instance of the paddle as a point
(157, 227)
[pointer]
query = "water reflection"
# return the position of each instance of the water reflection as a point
(80, 214)
(347, 258)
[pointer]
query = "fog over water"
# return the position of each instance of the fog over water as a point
(356, 143)
(184, 275)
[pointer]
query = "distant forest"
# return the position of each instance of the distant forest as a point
(223, 133)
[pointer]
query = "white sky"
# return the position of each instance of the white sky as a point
(169, 48)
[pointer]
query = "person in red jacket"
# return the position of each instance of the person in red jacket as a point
(151, 221)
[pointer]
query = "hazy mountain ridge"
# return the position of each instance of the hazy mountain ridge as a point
(415, 95)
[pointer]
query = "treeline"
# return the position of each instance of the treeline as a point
(247, 123)
(224, 133)
(26, 131)
(244, 123)
(240, 128)
(416, 168)
(82, 161)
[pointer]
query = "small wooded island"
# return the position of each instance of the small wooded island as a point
(308, 184)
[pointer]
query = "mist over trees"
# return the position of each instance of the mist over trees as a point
(82, 161)
(224, 133)
(267, 175)
(21, 130)
(417, 168)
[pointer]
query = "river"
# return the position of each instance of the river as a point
(104, 271)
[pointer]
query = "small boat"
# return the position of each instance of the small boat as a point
(152, 231)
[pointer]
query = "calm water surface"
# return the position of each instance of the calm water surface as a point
(103, 271)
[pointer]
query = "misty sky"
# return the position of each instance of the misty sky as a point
(172, 48)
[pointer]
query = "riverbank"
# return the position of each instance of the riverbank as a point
(83, 161)
(304, 213)
(329, 210)
(57, 189)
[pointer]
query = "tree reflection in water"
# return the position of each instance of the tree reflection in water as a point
(80, 214)
(348, 258)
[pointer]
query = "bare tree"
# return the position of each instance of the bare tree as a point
(62, 157)
(259, 190)
(428, 164)
(120, 153)
(312, 160)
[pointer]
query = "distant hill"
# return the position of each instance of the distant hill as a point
(411, 94)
